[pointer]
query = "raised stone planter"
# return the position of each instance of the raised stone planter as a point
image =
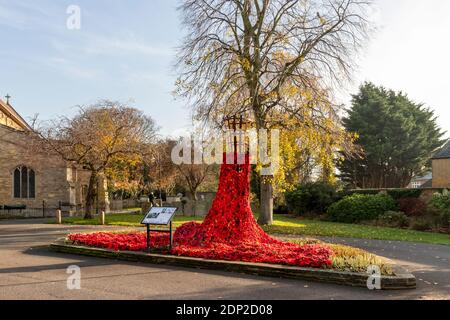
(401, 279)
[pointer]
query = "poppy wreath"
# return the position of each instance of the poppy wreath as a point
(229, 231)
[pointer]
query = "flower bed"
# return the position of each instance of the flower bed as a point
(277, 252)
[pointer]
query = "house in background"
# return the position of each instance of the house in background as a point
(425, 181)
(440, 175)
(29, 178)
(441, 167)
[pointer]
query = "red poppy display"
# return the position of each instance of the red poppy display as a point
(229, 231)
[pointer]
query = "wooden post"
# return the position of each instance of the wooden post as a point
(148, 238)
(102, 218)
(171, 236)
(58, 216)
(145, 207)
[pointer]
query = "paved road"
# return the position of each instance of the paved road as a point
(29, 271)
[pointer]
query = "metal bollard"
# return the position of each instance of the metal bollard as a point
(102, 218)
(58, 217)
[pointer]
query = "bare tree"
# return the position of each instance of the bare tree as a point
(162, 173)
(195, 175)
(98, 136)
(254, 51)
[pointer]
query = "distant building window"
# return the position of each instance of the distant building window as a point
(74, 174)
(84, 190)
(24, 183)
(416, 185)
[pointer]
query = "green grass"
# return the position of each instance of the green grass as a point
(288, 225)
(126, 220)
(295, 226)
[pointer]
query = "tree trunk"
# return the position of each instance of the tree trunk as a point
(266, 200)
(194, 194)
(90, 196)
(194, 200)
(266, 214)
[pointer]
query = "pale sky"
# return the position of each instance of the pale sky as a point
(124, 50)
(410, 52)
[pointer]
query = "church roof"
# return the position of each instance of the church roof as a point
(7, 109)
(444, 152)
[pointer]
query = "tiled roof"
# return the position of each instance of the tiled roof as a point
(428, 184)
(427, 176)
(444, 152)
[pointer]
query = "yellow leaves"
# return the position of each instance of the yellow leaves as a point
(290, 91)
(307, 95)
(284, 56)
(270, 95)
(313, 142)
(209, 55)
(279, 55)
(245, 64)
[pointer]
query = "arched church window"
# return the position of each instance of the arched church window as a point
(17, 174)
(24, 183)
(31, 184)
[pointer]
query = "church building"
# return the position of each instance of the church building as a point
(33, 180)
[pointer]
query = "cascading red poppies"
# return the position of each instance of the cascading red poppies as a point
(229, 231)
(230, 219)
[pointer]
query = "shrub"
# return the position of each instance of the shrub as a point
(393, 219)
(281, 210)
(440, 205)
(311, 198)
(441, 201)
(404, 193)
(412, 207)
(394, 193)
(350, 259)
(345, 193)
(445, 220)
(358, 207)
(356, 260)
(422, 224)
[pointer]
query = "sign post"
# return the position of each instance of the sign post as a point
(159, 216)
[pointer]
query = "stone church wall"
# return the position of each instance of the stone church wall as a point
(54, 181)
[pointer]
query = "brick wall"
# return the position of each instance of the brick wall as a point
(441, 173)
(54, 181)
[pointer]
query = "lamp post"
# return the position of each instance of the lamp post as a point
(160, 182)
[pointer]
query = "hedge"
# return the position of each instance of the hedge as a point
(309, 198)
(361, 207)
(394, 193)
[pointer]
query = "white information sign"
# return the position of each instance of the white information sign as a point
(159, 216)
